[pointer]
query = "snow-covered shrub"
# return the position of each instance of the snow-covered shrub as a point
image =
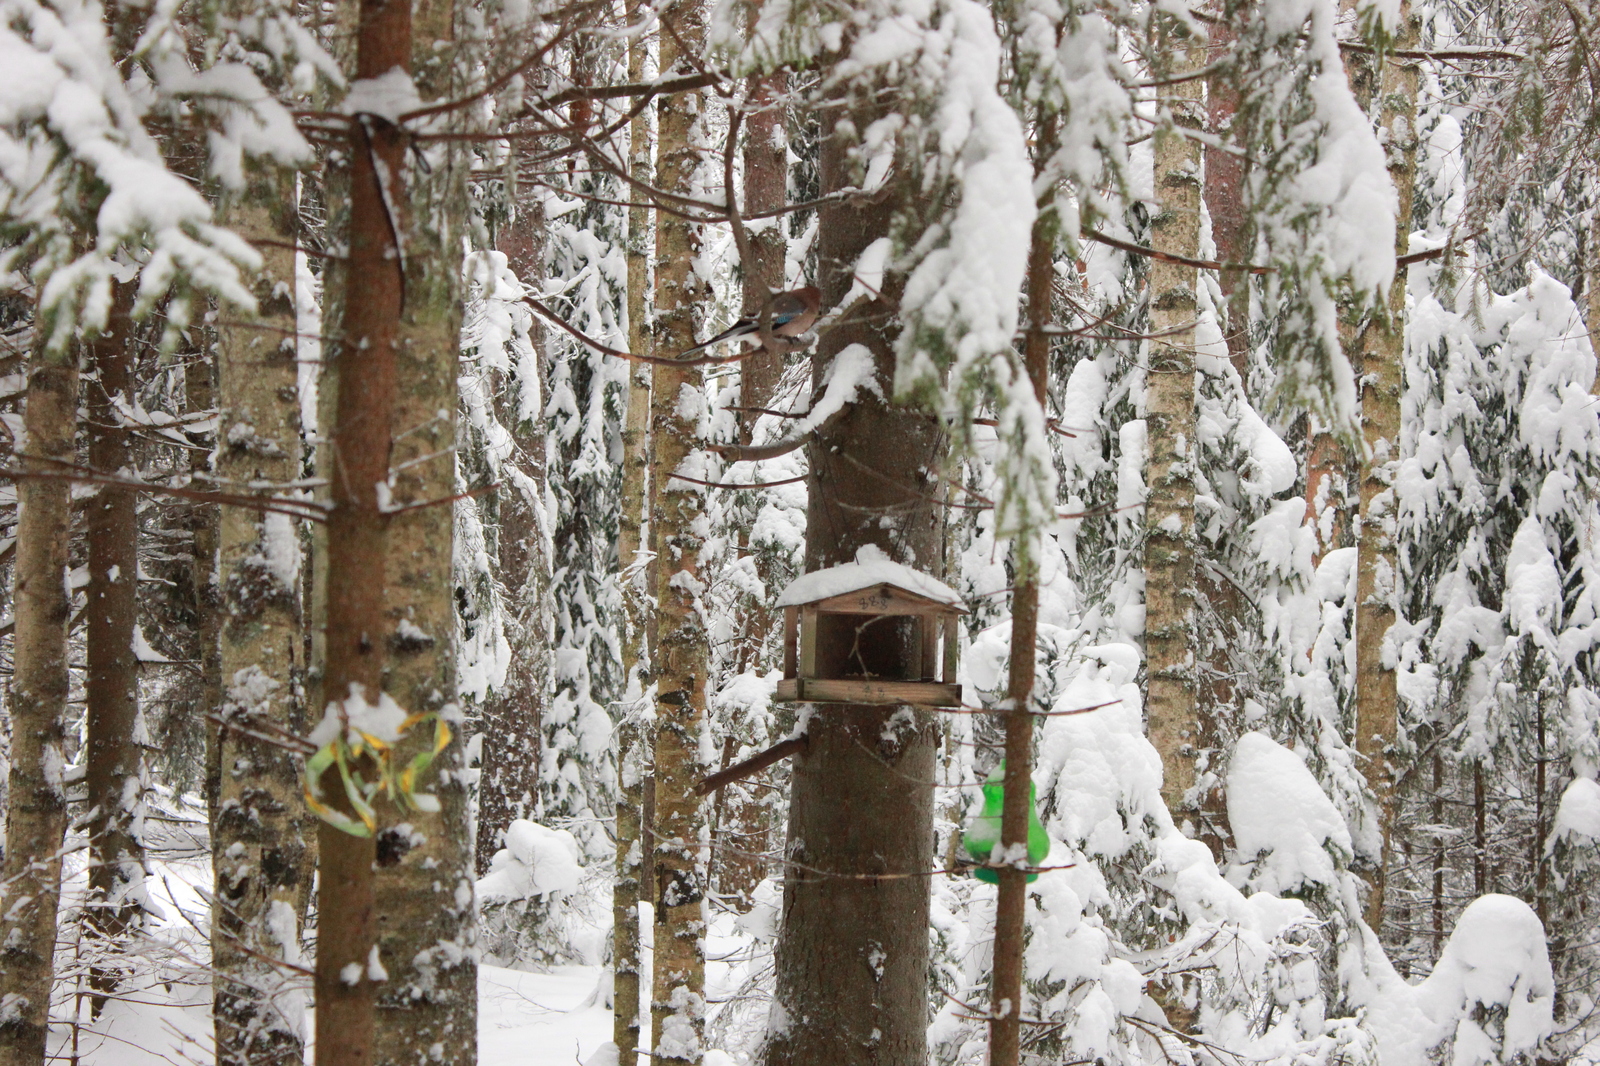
(86, 195)
(1288, 835)
(529, 915)
(1489, 998)
(587, 280)
(1499, 476)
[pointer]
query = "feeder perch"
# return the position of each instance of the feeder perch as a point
(983, 833)
(871, 631)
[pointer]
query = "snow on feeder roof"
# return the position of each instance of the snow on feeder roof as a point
(869, 632)
(871, 569)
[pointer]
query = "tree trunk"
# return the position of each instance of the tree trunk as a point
(510, 724)
(1170, 704)
(1381, 362)
(1225, 199)
(204, 523)
(741, 818)
(633, 749)
(259, 831)
(852, 952)
(112, 770)
(633, 753)
(1538, 857)
(681, 652)
(1329, 472)
(427, 929)
(355, 625)
(1480, 833)
(36, 813)
(1011, 904)
(1333, 472)
(1439, 831)
(1222, 609)
(1591, 287)
(766, 182)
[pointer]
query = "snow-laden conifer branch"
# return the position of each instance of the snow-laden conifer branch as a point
(84, 189)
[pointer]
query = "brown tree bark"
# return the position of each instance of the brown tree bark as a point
(1225, 173)
(509, 770)
(1330, 471)
(766, 183)
(426, 925)
(1221, 607)
(1381, 355)
(508, 781)
(852, 952)
(1171, 710)
(1011, 904)
(1333, 468)
(113, 762)
(1440, 831)
(259, 829)
(355, 625)
(1480, 834)
(1591, 287)
(36, 813)
(740, 819)
(680, 652)
(204, 523)
(511, 716)
(510, 719)
(634, 752)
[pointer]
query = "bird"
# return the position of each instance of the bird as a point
(789, 315)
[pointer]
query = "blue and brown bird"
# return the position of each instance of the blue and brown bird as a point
(789, 314)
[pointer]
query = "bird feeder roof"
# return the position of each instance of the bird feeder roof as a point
(871, 571)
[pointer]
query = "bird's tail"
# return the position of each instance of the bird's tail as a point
(738, 329)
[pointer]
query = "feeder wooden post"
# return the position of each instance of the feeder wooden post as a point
(952, 648)
(808, 642)
(791, 630)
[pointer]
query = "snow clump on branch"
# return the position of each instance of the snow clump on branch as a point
(86, 197)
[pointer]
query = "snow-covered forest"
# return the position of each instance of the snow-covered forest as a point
(800, 532)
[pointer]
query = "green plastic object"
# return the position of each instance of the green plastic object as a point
(983, 833)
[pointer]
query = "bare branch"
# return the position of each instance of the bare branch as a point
(738, 485)
(755, 764)
(1168, 257)
(306, 509)
(604, 349)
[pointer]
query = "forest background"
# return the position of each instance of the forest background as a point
(387, 574)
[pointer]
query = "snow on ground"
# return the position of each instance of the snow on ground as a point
(524, 1019)
(161, 1016)
(1495, 960)
(540, 1019)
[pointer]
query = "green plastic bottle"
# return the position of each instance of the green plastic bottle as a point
(983, 832)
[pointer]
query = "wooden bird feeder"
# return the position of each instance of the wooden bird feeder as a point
(872, 631)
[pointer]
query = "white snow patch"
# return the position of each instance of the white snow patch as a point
(1281, 818)
(536, 861)
(388, 96)
(872, 567)
(280, 548)
(381, 720)
(1579, 812)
